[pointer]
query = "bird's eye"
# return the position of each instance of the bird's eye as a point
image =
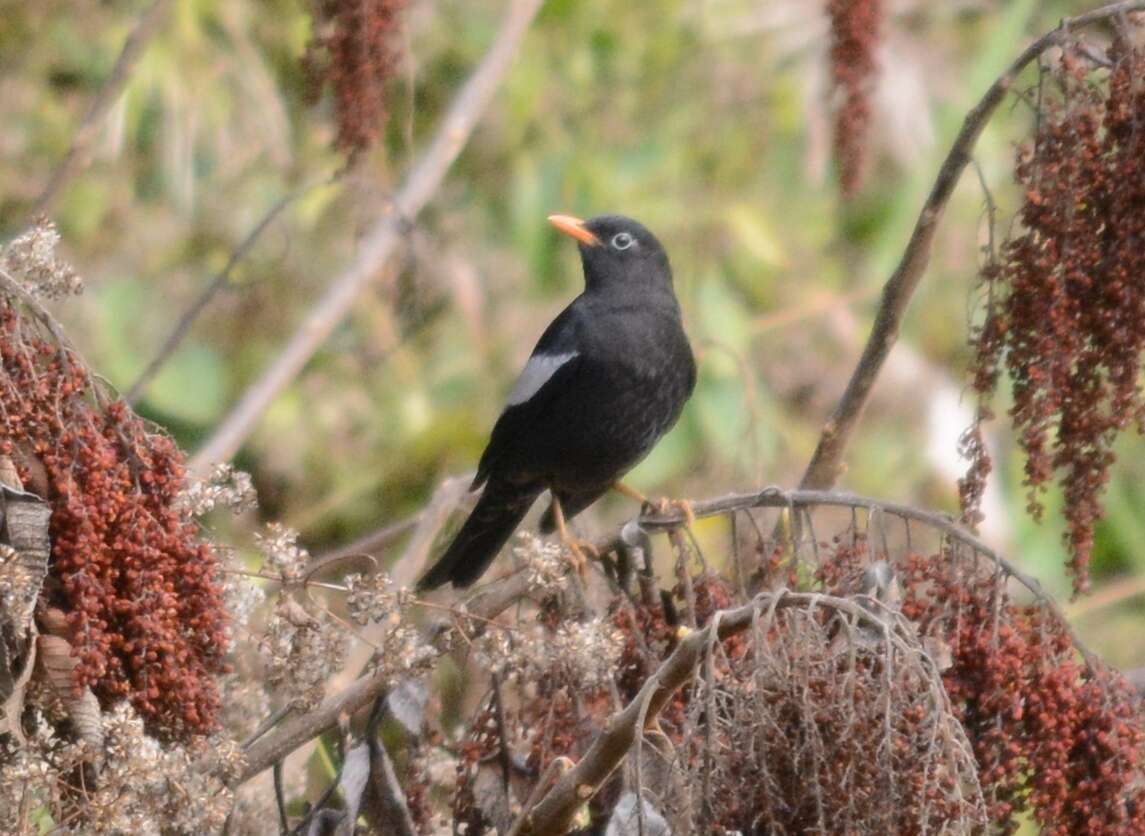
(622, 241)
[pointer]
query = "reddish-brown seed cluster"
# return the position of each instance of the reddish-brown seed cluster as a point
(1066, 310)
(140, 588)
(354, 49)
(1051, 735)
(855, 32)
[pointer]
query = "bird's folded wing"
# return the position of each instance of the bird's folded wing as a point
(537, 372)
(558, 347)
(553, 362)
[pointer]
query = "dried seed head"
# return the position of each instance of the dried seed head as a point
(1066, 304)
(855, 31)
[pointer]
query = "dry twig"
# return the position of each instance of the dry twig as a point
(217, 283)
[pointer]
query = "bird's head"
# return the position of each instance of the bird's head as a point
(618, 253)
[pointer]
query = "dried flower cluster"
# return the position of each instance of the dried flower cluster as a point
(855, 33)
(31, 259)
(283, 555)
(226, 487)
(143, 786)
(303, 651)
(304, 644)
(354, 49)
(543, 561)
(1052, 735)
(818, 720)
(373, 598)
(401, 651)
(1066, 304)
(582, 652)
(139, 586)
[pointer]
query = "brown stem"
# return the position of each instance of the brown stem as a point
(827, 462)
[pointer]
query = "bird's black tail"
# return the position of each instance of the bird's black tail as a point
(499, 511)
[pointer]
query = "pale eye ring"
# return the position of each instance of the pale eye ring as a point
(622, 241)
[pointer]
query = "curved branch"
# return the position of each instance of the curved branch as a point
(827, 462)
(774, 497)
(379, 244)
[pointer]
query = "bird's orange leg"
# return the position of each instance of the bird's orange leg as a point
(575, 546)
(662, 506)
(631, 493)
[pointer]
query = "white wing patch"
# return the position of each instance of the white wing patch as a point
(536, 374)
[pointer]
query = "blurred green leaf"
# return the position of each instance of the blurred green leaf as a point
(191, 387)
(755, 232)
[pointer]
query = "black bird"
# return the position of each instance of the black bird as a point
(607, 379)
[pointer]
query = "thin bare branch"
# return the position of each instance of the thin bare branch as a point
(775, 497)
(217, 283)
(370, 544)
(827, 462)
(76, 157)
(379, 244)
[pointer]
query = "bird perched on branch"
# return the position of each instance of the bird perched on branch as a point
(607, 379)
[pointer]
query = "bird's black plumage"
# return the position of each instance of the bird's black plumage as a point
(606, 380)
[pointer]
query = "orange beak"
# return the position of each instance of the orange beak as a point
(574, 228)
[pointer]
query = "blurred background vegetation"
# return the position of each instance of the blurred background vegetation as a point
(710, 120)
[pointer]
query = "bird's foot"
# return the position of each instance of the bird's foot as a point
(666, 506)
(659, 506)
(576, 550)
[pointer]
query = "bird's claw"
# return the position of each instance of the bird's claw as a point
(576, 549)
(665, 506)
